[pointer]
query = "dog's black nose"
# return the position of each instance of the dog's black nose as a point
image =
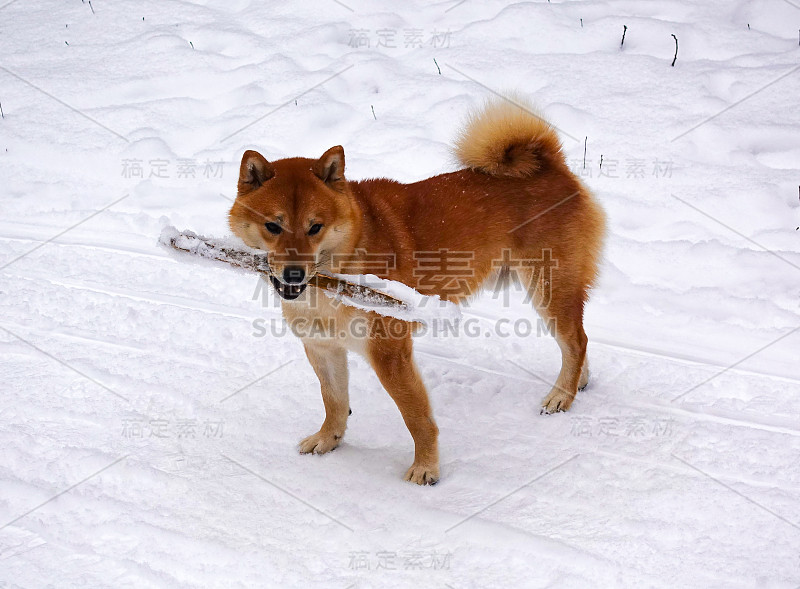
(293, 275)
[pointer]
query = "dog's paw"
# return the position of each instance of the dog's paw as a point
(423, 475)
(319, 443)
(557, 400)
(583, 382)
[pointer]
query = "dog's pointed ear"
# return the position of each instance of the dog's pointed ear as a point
(330, 167)
(254, 171)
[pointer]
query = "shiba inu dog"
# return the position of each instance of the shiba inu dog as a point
(514, 206)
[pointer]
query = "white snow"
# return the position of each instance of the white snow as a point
(679, 466)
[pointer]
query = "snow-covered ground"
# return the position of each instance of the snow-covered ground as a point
(149, 434)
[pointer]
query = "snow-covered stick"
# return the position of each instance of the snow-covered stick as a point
(253, 260)
(401, 302)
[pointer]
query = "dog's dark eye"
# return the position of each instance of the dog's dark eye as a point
(315, 228)
(273, 228)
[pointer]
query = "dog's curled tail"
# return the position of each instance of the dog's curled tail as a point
(507, 138)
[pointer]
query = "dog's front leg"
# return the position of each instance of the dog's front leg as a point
(393, 362)
(330, 364)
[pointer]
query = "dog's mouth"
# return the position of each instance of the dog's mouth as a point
(287, 291)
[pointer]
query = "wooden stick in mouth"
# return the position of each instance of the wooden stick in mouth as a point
(256, 261)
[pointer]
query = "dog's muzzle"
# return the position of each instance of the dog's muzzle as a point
(287, 291)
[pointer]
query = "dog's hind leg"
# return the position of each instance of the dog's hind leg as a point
(583, 381)
(568, 326)
(561, 306)
(330, 364)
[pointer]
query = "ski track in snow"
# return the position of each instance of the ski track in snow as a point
(679, 466)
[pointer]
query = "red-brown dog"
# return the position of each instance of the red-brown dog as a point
(515, 206)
